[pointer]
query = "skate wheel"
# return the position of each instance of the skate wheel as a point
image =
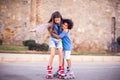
(49, 77)
(58, 76)
(55, 75)
(61, 77)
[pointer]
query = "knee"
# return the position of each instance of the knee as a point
(52, 55)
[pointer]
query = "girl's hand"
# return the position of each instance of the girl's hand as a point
(50, 30)
(32, 30)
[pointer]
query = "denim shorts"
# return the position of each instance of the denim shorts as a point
(56, 43)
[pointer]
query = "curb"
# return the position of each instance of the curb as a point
(9, 57)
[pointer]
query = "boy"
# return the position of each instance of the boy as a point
(67, 44)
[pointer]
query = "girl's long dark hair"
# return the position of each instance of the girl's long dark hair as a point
(54, 15)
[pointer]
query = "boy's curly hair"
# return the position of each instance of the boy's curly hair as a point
(69, 22)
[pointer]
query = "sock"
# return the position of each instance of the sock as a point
(68, 69)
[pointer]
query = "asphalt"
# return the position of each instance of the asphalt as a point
(33, 67)
(13, 57)
(37, 70)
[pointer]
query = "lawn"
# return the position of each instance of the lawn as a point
(13, 48)
(24, 49)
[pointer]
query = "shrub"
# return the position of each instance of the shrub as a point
(118, 40)
(0, 41)
(32, 47)
(42, 47)
(29, 42)
(39, 47)
(45, 46)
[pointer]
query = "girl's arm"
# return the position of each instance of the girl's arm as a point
(58, 36)
(52, 33)
(42, 27)
(32, 30)
(55, 35)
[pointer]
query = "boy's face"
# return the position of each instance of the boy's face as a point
(64, 26)
(57, 20)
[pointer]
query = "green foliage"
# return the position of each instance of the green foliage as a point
(0, 41)
(13, 48)
(29, 42)
(91, 53)
(39, 47)
(32, 45)
(118, 40)
(42, 47)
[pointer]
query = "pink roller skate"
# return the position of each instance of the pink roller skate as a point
(49, 74)
(61, 73)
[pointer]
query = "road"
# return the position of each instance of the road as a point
(37, 70)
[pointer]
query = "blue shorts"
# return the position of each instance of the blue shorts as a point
(56, 43)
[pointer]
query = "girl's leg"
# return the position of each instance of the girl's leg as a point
(52, 54)
(60, 57)
(49, 67)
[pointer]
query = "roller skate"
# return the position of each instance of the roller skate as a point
(69, 74)
(49, 74)
(61, 73)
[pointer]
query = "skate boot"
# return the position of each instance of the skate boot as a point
(61, 73)
(49, 72)
(69, 74)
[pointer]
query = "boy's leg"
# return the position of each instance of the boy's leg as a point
(69, 74)
(67, 57)
(68, 63)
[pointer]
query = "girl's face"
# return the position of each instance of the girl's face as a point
(57, 20)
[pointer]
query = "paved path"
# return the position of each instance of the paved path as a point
(37, 71)
(10, 57)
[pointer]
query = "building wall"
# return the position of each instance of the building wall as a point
(93, 24)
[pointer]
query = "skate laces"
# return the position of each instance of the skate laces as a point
(49, 68)
(61, 71)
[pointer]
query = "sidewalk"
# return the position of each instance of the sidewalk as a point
(11, 57)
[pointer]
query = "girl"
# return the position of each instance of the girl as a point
(54, 23)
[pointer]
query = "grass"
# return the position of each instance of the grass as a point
(91, 53)
(13, 48)
(24, 49)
